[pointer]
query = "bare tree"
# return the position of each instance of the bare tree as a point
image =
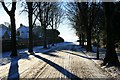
(111, 56)
(30, 13)
(11, 13)
(43, 15)
(77, 15)
(30, 7)
(56, 18)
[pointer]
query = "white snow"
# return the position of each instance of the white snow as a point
(6, 55)
(112, 70)
(26, 60)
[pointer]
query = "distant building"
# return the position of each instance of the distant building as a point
(5, 32)
(22, 32)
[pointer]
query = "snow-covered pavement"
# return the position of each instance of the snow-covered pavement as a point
(65, 60)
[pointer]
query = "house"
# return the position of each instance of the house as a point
(5, 32)
(22, 32)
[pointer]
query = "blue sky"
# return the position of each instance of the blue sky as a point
(65, 29)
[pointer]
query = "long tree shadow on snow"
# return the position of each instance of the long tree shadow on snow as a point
(13, 73)
(59, 68)
(76, 48)
(49, 53)
(78, 55)
(70, 48)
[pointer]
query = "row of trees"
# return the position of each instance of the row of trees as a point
(89, 19)
(97, 21)
(47, 13)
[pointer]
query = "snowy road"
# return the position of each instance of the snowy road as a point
(64, 61)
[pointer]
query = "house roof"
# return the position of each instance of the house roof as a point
(3, 29)
(23, 28)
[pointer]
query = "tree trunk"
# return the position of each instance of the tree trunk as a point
(53, 37)
(110, 56)
(89, 29)
(30, 27)
(80, 40)
(45, 38)
(11, 13)
(82, 43)
(89, 48)
(97, 46)
(13, 35)
(53, 34)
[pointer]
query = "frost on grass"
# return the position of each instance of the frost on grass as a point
(69, 56)
(112, 70)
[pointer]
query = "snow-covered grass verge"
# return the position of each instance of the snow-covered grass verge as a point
(112, 70)
(5, 57)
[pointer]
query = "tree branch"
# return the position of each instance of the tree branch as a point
(13, 6)
(5, 8)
